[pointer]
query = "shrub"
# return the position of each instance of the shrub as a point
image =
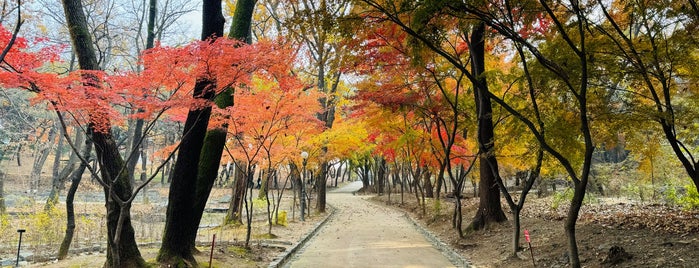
(691, 199)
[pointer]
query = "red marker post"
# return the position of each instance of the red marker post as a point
(529, 241)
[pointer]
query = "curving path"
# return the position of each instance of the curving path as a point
(363, 234)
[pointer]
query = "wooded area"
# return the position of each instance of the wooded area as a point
(437, 102)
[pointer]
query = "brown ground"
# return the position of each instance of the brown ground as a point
(148, 223)
(654, 235)
(228, 253)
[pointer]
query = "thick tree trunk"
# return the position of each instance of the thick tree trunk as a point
(296, 184)
(75, 178)
(489, 208)
(181, 225)
(122, 250)
(215, 139)
(177, 245)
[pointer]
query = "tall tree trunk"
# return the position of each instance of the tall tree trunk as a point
(135, 141)
(122, 250)
(75, 178)
(215, 139)
(180, 224)
(489, 208)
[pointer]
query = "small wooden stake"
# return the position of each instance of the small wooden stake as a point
(211, 257)
(531, 250)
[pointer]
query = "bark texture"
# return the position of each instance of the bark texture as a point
(122, 250)
(215, 139)
(180, 230)
(489, 208)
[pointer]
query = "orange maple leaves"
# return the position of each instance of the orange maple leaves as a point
(164, 86)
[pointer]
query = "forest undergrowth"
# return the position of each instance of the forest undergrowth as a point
(652, 235)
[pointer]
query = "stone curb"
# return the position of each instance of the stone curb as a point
(284, 257)
(446, 250)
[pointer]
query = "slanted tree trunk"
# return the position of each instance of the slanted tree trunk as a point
(18, 155)
(60, 179)
(40, 155)
(55, 172)
(75, 178)
(440, 179)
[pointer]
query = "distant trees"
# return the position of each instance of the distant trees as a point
(565, 75)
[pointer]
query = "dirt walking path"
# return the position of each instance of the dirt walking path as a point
(363, 234)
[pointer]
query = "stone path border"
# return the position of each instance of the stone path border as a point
(446, 250)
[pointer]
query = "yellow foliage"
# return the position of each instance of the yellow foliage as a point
(281, 218)
(230, 7)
